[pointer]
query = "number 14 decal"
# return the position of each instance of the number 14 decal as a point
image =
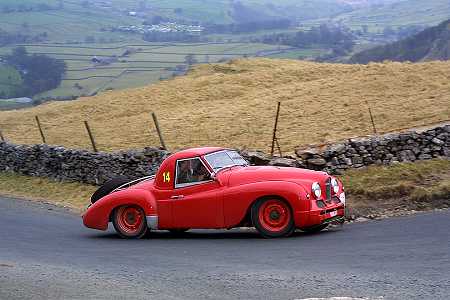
(166, 176)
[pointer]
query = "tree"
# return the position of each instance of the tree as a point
(156, 20)
(190, 59)
(329, 36)
(89, 39)
(142, 5)
(18, 57)
(365, 29)
(388, 31)
(39, 72)
(43, 73)
(7, 9)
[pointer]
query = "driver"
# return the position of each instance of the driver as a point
(199, 171)
(191, 171)
(184, 172)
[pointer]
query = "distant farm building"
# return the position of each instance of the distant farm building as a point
(98, 60)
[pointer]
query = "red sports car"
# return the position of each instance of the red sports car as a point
(216, 188)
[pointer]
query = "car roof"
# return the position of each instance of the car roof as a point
(196, 152)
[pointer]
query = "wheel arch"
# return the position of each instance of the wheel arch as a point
(99, 214)
(247, 219)
(240, 199)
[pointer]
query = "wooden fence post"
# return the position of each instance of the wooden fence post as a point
(91, 137)
(40, 129)
(158, 130)
(274, 137)
(371, 118)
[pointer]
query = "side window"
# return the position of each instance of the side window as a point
(191, 171)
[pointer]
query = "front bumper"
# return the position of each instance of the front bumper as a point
(318, 216)
(326, 214)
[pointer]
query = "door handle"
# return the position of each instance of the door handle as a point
(177, 197)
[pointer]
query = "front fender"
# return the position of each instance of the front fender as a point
(97, 215)
(239, 199)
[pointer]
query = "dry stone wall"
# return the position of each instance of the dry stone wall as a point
(356, 153)
(78, 165)
(95, 168)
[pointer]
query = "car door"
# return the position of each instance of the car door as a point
(195, 201)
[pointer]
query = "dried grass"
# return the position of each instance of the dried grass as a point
(70, 194)
(234, 105)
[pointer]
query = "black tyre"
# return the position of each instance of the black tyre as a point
(315, 229)
(129, 221)
(273, 217)
(108, 187)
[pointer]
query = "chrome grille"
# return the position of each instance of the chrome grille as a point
(328, 190)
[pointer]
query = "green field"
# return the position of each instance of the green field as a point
(149, 63)
(17, 3)
(74, 22)
(10, 81)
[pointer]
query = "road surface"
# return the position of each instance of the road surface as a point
(46, 253)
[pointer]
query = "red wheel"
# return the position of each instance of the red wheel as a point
(272, 217)
(130, 222)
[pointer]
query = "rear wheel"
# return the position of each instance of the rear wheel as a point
(272, 217)
(129, 221)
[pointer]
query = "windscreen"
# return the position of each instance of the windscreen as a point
(223, 159)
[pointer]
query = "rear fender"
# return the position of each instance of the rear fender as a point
(98, 215)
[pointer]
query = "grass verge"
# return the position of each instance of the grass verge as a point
(68, 194)
(395, 190)
(376, 191)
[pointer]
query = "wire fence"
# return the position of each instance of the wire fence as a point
(100, 135)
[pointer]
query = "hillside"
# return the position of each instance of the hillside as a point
(75, 20)
(118, 31)
(234, 105)
(397, 14)
(78, 30)
(431, 44)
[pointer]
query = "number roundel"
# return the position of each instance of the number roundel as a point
(166, 176)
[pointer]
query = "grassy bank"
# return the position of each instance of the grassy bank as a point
(392, 190)
(375, 191)
(70, 194)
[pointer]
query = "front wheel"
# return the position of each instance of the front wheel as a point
(129, 221)
(273, 218)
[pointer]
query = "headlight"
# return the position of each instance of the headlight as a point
(316, 190)
(335, 185)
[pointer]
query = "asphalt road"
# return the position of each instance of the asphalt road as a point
(45, 253)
